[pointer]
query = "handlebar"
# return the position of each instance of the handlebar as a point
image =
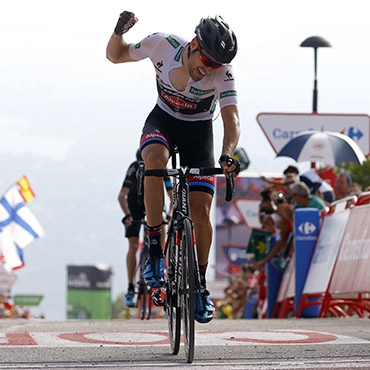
(202, 171)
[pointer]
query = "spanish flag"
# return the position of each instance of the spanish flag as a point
(25, 189)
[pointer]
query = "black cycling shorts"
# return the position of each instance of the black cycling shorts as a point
(137, 213)
(193, 139)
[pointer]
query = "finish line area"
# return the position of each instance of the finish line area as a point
(160, 338)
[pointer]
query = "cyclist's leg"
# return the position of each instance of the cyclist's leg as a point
(155, 156)
(200, 203)
(133, 245)
(132, 234)
(155, 150)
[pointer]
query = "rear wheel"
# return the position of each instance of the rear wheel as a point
(173, 308)
(188, 288)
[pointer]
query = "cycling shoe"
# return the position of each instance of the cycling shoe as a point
(154, 271)
(204, 307)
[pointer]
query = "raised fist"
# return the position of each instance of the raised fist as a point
(126, 20)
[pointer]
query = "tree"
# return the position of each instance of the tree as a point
(358, 173)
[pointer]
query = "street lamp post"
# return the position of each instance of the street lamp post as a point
(315, 42)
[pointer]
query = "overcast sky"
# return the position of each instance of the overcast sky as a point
(70, 120)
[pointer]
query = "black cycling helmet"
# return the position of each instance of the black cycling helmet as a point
(217, 39)
(138, 155)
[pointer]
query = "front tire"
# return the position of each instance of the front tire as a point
(173, 308)
(188, 288)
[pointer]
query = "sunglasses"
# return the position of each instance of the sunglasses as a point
(206, 61)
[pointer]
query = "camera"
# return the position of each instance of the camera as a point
(279, 199)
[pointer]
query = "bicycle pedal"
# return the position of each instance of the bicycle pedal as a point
(156, 297)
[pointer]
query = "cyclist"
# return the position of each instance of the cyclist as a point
(134, 211)
(191, 77)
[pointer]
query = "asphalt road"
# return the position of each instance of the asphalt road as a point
(221, 344)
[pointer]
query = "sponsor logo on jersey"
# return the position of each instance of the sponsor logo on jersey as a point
(207, 183)
(178, 102)
(198, 92)
(173, 42)
(208, 178)
(214, 106)
(153, 137)
(158, 66)
(228, 93)
(229, 76)
(178, 54)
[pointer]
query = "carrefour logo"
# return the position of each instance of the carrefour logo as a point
(307, 228)
(354, 133)
(307, 231)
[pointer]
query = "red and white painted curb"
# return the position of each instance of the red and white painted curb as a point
(160, 338)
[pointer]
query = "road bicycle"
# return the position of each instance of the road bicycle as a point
(182, 280)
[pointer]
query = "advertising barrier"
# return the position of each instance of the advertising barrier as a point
(89, 295)
(352, 269)
(326, 253)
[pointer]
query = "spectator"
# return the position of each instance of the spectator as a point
(292, 170)
(355, 189)
(311, 178)
(302, 197)
(342, 185)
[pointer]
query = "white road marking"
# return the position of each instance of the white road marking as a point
(160, 338)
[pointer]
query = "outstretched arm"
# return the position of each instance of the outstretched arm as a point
(230, 117)
(118, 48)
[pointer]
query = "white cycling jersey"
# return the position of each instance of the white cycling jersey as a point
(198, 101)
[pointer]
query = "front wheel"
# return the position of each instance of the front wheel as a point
(150, 302)
(173, 309)
(188, 288)
(143, 299)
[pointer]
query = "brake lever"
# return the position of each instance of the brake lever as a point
(230, 188)
(140, 175)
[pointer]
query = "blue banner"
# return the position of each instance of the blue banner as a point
(306, 231)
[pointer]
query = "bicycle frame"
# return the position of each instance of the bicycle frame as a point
(181, 210)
